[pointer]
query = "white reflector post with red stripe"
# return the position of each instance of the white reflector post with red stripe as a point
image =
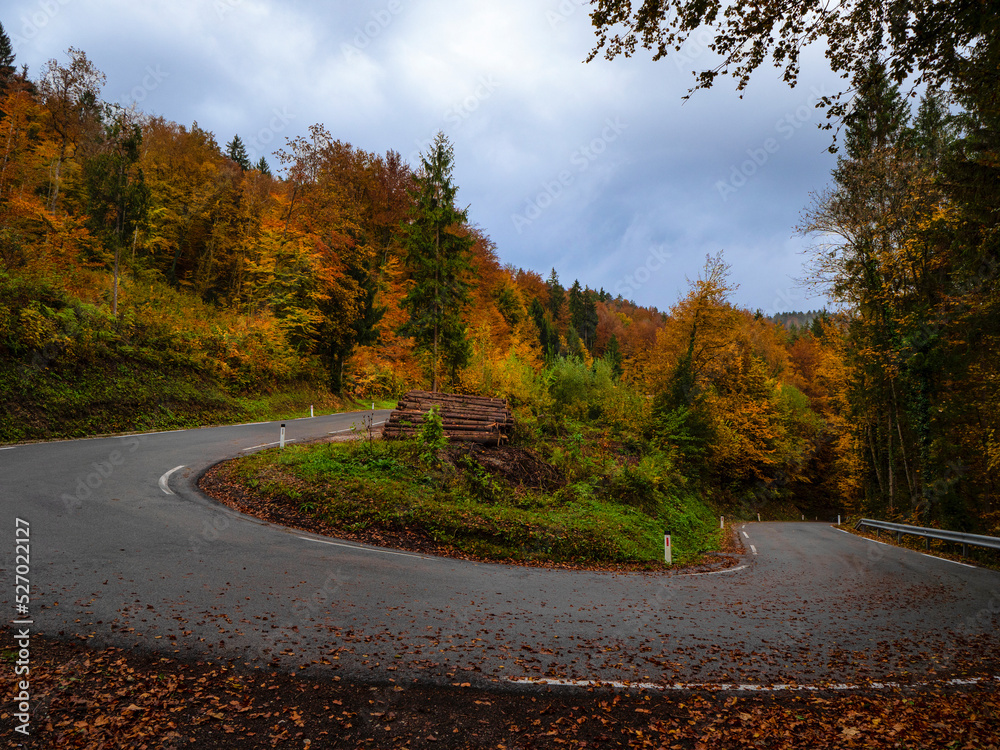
(667, 549)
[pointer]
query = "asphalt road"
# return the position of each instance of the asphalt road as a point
(122, 555)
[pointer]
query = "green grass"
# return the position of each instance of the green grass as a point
(128, 393)
(385, 485)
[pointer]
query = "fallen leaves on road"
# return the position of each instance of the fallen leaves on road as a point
(110, 698)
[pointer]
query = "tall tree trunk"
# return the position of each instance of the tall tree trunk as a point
(910, 482)
(875, 461)
(892, 479)
(437, 305)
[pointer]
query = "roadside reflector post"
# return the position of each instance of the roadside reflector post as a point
(722, 522)
(311, 410)
(281, 440)
(667, 549)
(758, 518)
(838, 519)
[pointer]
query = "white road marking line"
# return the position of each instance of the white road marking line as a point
(746, 535)
(753, 549)
(165, 477)
(933, 557)
(8, 448)
(748, 688)
(712, 572)
(364, 549)
(351, 429)
(143, 434)
(267, 445)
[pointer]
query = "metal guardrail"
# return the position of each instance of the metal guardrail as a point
(956, 537)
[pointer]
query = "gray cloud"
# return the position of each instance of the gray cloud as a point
(609, 171)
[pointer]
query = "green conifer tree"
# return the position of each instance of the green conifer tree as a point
(6, 57)
(438, 263)
(236, 151)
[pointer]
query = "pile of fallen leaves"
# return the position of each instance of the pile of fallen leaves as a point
(85, 698)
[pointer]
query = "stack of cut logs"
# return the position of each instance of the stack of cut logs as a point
(472, 419)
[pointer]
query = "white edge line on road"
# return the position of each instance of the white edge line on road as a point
(350, 429)
(267, 445)
(165, 477)
(933, 557)
(143, 434)
(748, 688)
(363, 549)
(8, 448)
(712, 572)
(753, 549)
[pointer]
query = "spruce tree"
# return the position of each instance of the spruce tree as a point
(583, 313)
(6, 57)
(437, 257)
(236, 151)
(613, 356)
(557, 295)
(262, 167)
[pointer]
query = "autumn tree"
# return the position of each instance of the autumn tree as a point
(693, 340)
(70, 94)
(437, 261)
(942, 44)
(116, 190)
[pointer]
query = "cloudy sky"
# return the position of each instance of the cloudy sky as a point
(599, 170)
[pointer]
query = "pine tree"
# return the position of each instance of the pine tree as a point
(583, 313)
(548, 337)
(262, 167)
(557, 295)
(6, 58)
(236, 151)
(613, 356)
(437, 259)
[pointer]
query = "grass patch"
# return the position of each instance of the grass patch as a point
(387, 485)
